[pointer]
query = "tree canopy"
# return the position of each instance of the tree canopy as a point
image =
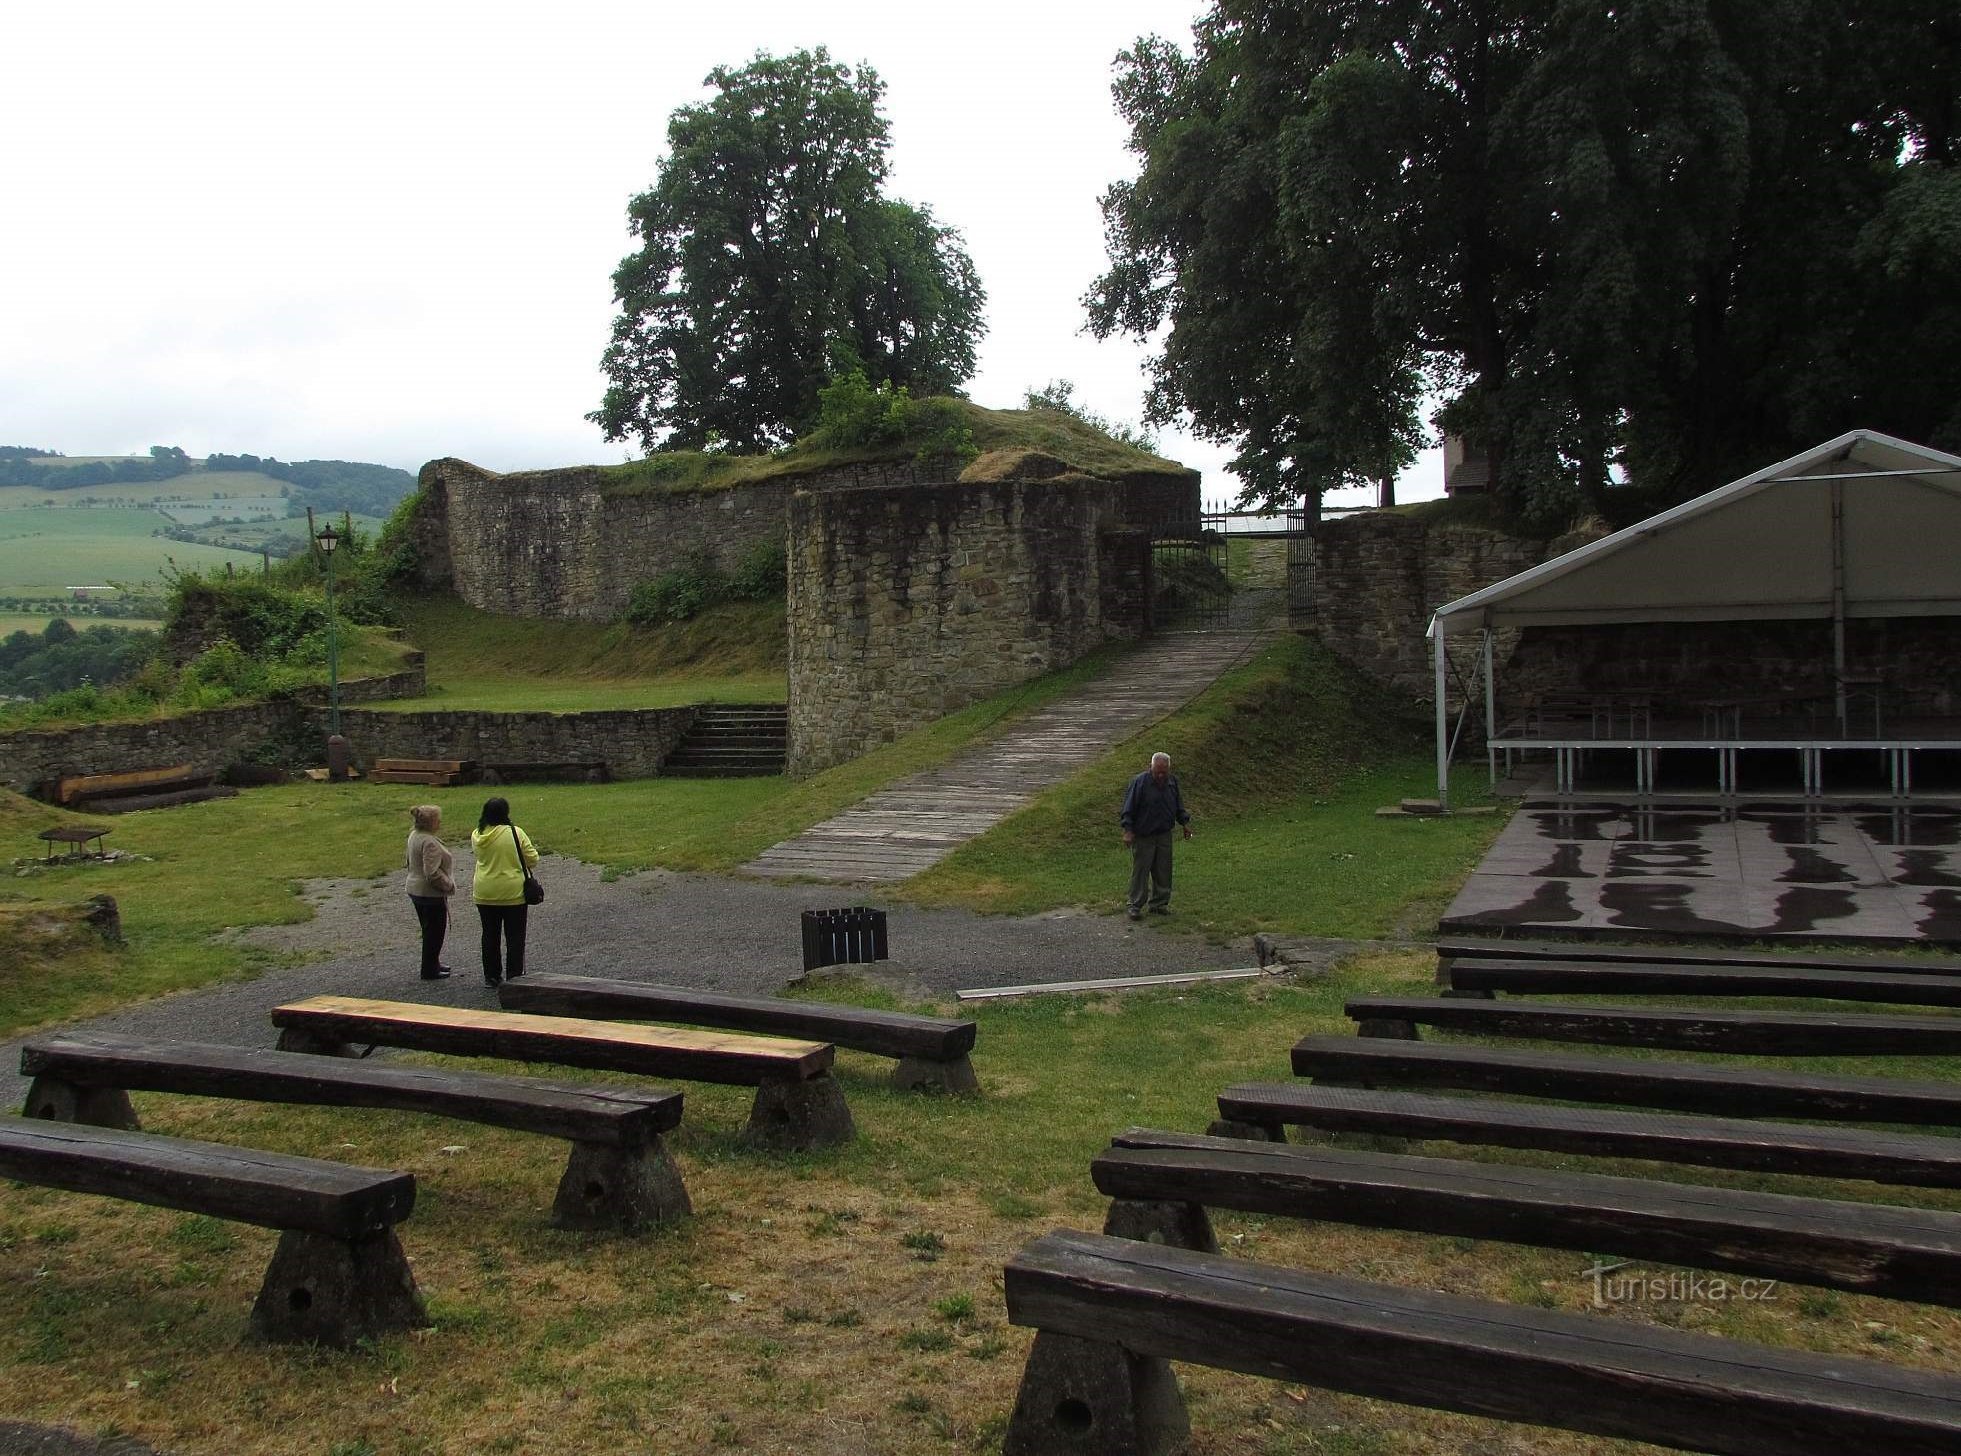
(1666, 239)
(770, 260)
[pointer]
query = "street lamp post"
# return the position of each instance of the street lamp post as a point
(337, 755)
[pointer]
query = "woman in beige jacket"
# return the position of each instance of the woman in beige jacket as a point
(430, 885)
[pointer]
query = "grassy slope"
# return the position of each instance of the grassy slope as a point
(1282, 764)
(732, 653)
(1083, 446)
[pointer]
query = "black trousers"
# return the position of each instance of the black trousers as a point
(507, 921)
(433, 913)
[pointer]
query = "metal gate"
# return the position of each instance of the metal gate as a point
(1190, 591)
(1300, 572)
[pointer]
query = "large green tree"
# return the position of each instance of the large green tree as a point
(770, 260)
(1671, 238)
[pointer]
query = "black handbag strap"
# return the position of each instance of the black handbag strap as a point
(519, 847)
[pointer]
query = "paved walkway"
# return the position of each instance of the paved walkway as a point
(917, 822)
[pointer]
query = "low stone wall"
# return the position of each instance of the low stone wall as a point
(906, 604)
(290, 734)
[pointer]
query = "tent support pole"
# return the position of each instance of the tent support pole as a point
(1443, 726)
(1838, 602)
(1490, 713)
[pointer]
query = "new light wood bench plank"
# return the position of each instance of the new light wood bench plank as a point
(798, 1102)
(1366, 1061)
(1865, 1248)
(619, 1175)
(931, 1051)
(1919, 1160)
(338, 1275)
(1586, 978)
(1758, 1033)
(1607, 1377)
(125, 782)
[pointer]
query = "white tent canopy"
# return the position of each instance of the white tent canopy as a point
(1862, 526)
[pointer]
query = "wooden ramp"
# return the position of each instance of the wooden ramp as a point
(919, 821)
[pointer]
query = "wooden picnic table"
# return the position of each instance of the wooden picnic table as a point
(73, 834)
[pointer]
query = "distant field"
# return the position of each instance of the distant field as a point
(198, 485)
(203, 512)
(36, 622)
(45, 550)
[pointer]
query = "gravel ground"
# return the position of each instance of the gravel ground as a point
(719, 934)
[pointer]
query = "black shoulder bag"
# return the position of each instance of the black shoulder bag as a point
(533, 891)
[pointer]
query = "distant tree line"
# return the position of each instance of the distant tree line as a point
(326, 485)
(58, 657)
(164, 462)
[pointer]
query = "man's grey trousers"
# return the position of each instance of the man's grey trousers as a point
(1150, 870)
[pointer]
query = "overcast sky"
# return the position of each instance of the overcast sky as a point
(387, 231)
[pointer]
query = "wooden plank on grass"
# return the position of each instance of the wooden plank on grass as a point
(1518, 950)
(1585, 978)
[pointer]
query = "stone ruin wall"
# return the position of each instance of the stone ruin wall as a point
(551, 543)
(908, 603)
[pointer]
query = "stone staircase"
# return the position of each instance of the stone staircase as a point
(729, 740)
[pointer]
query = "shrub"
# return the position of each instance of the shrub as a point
(853, 413)
(681, 593)
(761, 574)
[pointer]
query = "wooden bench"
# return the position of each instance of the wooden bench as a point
(1111, 1312)
(1754, 1033)
(1360, 1061)
(437, 772)
(568, 771)
(798, 1104)
(1592, 978)
(1450, 950)
(139, 788)
(1162, 1183)
(619, 1176)
(1266, 1109)
(931, 1053)
(338, 1275)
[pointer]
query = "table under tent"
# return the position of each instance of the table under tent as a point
(1793, 632)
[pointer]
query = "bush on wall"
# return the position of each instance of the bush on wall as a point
(698, 583)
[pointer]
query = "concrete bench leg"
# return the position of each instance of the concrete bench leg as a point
(1155, 1221)
(919, 1074)
(1082, 1396)
(620, 1189)
(326, 1291)
(58, 1101)
(801, 1116)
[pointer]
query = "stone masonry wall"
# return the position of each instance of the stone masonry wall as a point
(552, 543)
(632, 743)
(908, 603)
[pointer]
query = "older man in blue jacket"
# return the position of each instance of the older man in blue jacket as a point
(1151, 810)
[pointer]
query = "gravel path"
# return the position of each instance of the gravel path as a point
(693, 930)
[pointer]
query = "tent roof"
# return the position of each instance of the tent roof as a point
(1761, 547)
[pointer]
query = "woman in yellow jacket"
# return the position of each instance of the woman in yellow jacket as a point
(498, 889)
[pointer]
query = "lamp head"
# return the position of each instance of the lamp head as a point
(328, 540)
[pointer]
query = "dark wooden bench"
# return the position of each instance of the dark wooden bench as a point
(619, 1176)
(1450, 950)
(1362, 1061)
(1162, 1183)
(1590, 978)
(931, 1053)
(798, 1103)
(338, 1275)
(1920, 1160)
(1111, 1312)
(1756, 1033)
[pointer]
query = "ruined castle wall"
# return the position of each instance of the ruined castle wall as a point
(552, 543)
(908, 603)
